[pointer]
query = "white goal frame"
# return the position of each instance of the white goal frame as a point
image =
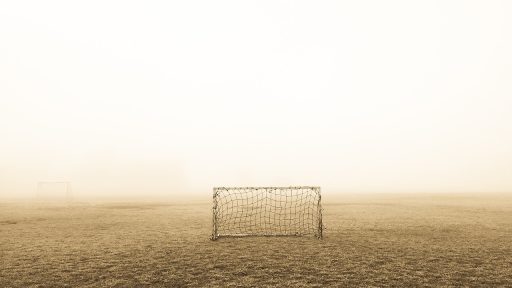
(266, 211)
(68, 193)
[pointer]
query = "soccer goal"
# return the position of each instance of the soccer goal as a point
(266, 211)
(54, 191)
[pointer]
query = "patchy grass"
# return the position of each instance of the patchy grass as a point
(371, 240)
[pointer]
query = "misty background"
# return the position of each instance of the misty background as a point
(166, 98)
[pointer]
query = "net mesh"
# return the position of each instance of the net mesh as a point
(267, 211)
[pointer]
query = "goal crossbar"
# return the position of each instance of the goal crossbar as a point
(266, 211)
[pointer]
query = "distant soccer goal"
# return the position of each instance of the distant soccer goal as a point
(266, 211)
(54, 191)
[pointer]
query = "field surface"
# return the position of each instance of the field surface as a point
(370, 240)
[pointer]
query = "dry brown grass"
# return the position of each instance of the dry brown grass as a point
(372, 240)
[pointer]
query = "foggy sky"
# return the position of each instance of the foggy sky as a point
(159, 98)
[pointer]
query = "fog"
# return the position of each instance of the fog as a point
(138, 98)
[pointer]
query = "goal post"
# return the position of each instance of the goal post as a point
(54, 191)
(267, 211)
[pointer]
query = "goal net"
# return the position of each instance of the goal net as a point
(266, 211)
(54, 191)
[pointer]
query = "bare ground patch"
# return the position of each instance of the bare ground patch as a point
(8, 222)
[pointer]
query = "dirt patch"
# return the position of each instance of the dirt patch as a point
(8, 222)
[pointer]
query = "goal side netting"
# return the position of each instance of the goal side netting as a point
(266, 211)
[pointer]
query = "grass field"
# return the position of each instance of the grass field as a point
(370, 240)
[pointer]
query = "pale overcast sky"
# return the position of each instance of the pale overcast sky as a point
(174, 97)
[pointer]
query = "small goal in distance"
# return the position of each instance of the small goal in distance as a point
(267, 211)
(54, 191)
